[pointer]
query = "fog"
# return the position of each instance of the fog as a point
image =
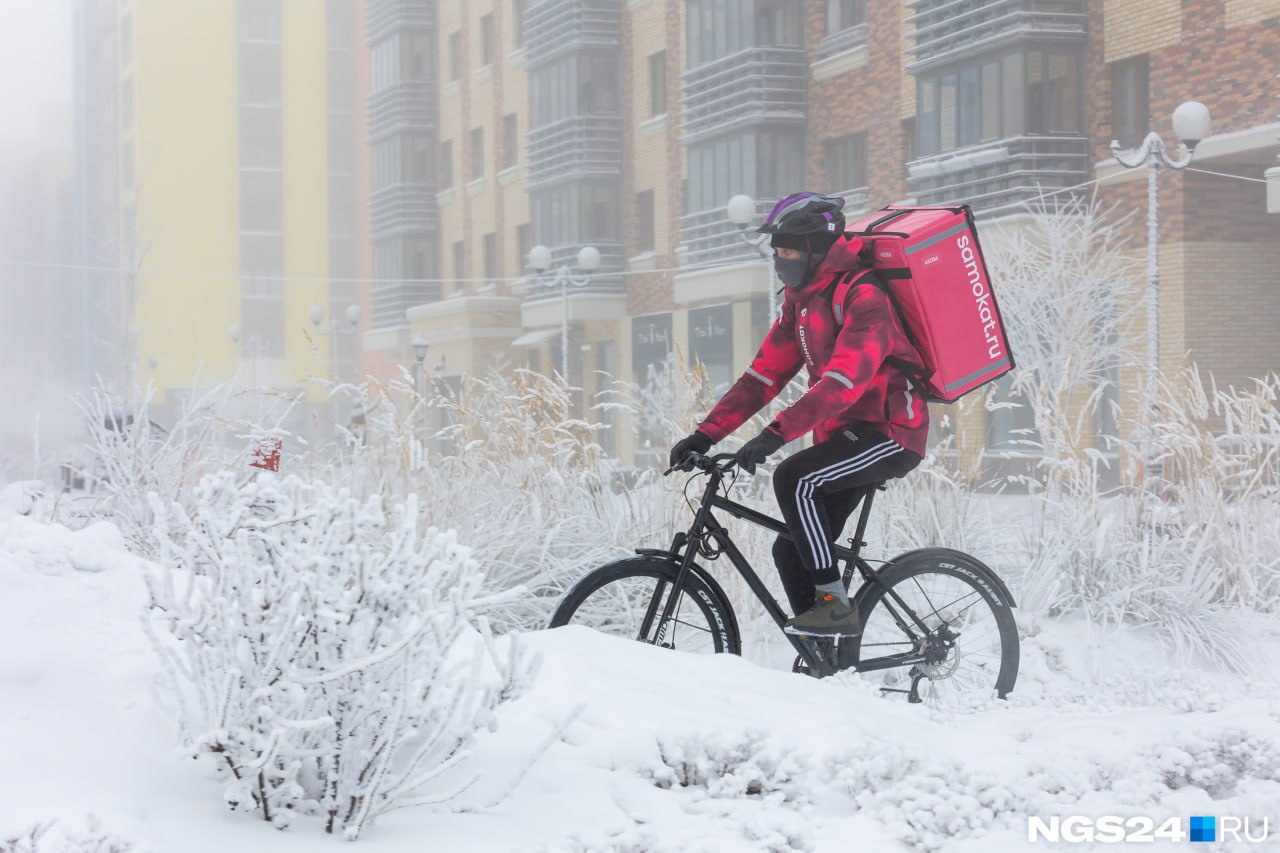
(35, 170)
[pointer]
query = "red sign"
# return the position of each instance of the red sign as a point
(267, 455)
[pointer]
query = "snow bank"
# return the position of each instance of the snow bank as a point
(661, 752)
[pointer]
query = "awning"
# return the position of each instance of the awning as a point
(532, 339)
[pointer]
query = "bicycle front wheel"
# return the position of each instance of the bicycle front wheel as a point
(626, 598)
(970, 640)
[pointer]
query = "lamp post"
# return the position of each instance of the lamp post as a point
(741, 210)
(562, 277)
(420, 347)
(1190, 125)
(351, 322)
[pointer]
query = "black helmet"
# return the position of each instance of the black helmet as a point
(805, 221)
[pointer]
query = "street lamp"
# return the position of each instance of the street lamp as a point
(1190, 125)
(563, 276)
(420, 347)
(350, 324)
(741, 210)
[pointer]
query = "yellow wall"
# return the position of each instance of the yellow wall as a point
(185, 158)
(186, 163)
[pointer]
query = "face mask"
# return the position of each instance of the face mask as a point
(792, 271)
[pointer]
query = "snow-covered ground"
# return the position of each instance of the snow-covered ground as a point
(661, 751)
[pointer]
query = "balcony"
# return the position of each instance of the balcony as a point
(759, 83)
(579, 146)
(556, 27)
(947, 29)
(996, 177)
(841, 42)
(403, 106)
(708, 238)
(388, 16)
(402, 207)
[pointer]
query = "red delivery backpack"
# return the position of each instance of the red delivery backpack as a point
(931, 266)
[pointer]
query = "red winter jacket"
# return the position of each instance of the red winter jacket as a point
(851, 381)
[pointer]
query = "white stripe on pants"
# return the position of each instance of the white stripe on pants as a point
(808, 512)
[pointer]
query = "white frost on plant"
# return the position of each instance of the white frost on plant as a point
(323, 650)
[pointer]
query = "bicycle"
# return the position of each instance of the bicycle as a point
(666, 598)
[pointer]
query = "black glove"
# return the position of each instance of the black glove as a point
(758, 449)
(698, 442)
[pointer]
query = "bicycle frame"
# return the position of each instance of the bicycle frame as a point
(705, 524)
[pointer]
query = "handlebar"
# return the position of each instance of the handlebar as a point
(721, 462)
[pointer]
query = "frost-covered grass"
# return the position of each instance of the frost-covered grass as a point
(656, 751)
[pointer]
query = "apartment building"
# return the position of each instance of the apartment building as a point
(220, 157)
(637, 120)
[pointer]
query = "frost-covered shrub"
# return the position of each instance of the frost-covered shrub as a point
(321, 648)
(729, 766)
(55, 837)
(128, 456)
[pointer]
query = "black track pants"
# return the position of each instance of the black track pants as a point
(817, 490)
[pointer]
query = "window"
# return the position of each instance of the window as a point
(490, 245)
(384, 64)
(385, 162)
(716, 28)
(419, 150)
(1053, 92)
(261, 139)
(765, 164)
(459, 260)
(257, 21)
(598, 212)
(510, 141)
(486, 39)
(261, 202)
(847, 162)
(598, 85)
(1130, 107)
(259, 74)
(477, 153)
(1011, 426)
(658, 83)
(446, 164)
(455, 55)
(517, 22)
(779, 23)
(644, 221)
(995, 97)
(262, 321)
(524, 244)
(845, 14)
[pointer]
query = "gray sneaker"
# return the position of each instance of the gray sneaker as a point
(827, 617)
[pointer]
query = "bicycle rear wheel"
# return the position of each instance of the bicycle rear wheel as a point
(625, 598)
(971, 645)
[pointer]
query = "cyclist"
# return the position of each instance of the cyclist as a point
(869, 418)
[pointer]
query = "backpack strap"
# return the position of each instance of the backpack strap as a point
(850, 280)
